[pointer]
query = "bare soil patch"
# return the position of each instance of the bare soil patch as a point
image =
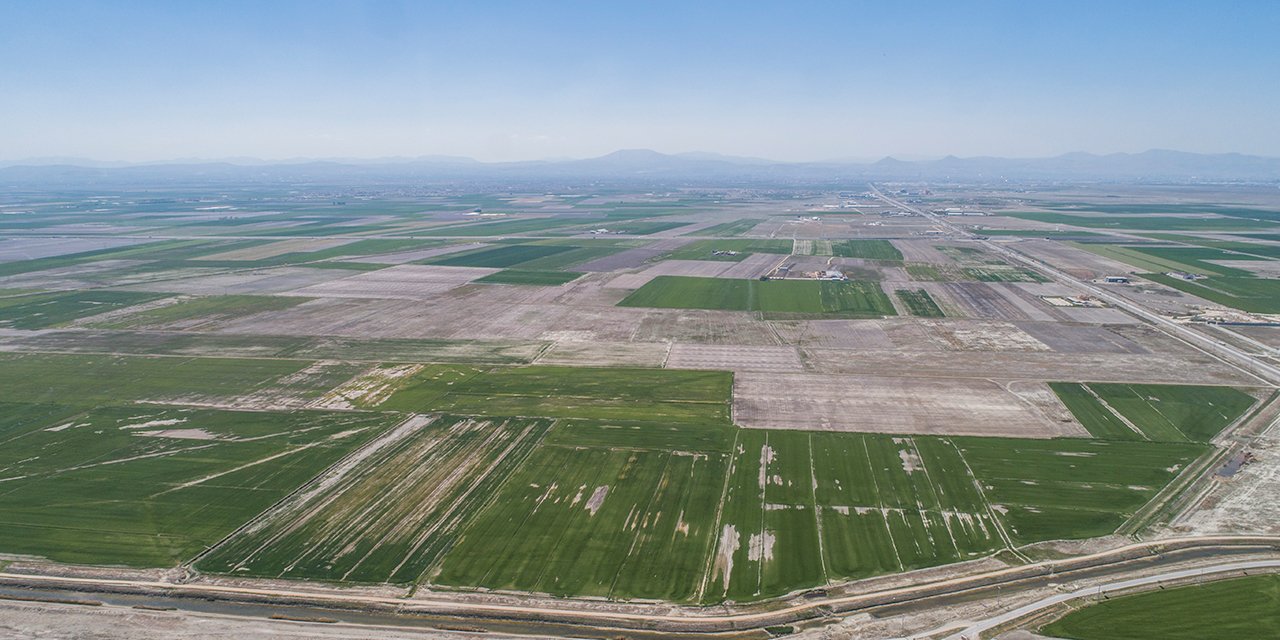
(883, 404)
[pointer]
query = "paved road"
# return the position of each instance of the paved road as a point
(974, 631)
(672, 618)
(1242, 360)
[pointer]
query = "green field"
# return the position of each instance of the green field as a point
(508, 227)
(400, 514)
(728, 229)
(540, 278)
(644, 227)
(594, 521)
(845, 299)
(866, 249)
(98, 379)
(501, 257)
(920, 303)
(636, 469)
(1255, 295)
(288, 438)
(1041, 233)
(42, 310)
(147, 250)
(639, 434)
(1001, 273)
(1146, 222)
(799, 509)
(706, 249)
(1239, 246)
(1200, 260)
(696, 397)
(108, 486)
(1232, 211)
(1223, 610)
(928, 272)
(1160, 413)
(174, 343)
(198, 312)
(542, 255)
(1068, 488)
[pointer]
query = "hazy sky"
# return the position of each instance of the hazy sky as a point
(521, 80)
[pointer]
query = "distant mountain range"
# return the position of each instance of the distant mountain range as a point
(643, 165)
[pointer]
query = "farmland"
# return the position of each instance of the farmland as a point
(1159, 413)
(1237, 608)
(394, 513)
(578, 521)
(754, 515)
(919, 302)
(194, 311)
(731, 250)
(639, 396)
(152, 486)
(39, 311)
(1247, 294)
(866, 249)
(538, 278)
(568, 392)
(728, 229)
(847, 299)
(1148, 222)
(500, 257)
(90, 379)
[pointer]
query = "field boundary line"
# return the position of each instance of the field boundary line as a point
(635, 540)
(490, 501)
(713, 546)
(442, 524)
(991, 512)
(1107, 405)
(817, 513)
(888, 533)
(933, 488)
(493, 496)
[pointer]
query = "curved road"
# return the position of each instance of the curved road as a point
(974, 631)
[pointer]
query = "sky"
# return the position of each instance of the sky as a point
(503, 81)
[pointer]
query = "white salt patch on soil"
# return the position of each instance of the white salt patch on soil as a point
(910, 460)
(766, 456)
(597, 499)
(69, 425)
(728, 545)
(370, 388)
(168, 422)
(179, 434)
(760, 547)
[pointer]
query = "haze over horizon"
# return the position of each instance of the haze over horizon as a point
(517, 81)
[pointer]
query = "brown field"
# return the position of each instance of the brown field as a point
(885, 404)
(734, 358)
(403, 282)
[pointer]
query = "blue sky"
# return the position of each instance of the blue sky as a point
(524, 80)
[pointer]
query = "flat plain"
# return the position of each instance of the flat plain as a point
(698, 396)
